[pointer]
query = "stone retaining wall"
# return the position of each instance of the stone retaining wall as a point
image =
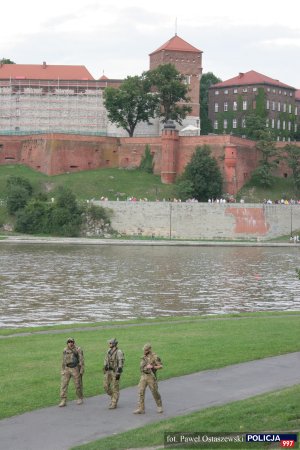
(203, 220)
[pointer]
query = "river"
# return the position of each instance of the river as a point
(63, 284)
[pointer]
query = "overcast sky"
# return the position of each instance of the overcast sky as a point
(115, 37)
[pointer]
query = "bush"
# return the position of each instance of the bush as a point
(146, 164)
(17, 198)
(98, 213)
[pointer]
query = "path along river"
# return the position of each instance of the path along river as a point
(44, 284)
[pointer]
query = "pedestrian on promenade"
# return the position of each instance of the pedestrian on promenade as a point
(113, 367)
(149, 364)
(72, 367)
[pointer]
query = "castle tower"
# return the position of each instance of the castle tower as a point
(188, 61)
(169, 151)
(230, 175)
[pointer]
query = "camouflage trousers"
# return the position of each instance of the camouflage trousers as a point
(112, 386)
(148, 380)
(67, 374)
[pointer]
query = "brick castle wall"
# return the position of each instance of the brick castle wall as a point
(54, 154)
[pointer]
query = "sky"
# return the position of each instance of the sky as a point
(115, 37)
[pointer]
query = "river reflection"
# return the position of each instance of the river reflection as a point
(50, 284)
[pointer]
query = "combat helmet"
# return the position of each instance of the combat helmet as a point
(113, 342)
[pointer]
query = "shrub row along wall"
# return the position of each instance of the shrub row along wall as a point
(203, 220)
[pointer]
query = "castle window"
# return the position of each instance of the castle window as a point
(296, 110)
(284, 93)
(295, 128)
(215, 125)
(187, 79)
(274, 91)
(225, 124)
(244, 105)
(234, 123)
(245, 90)
(278, 124)
(235, 91)
(273, 106)
(254, 89)
(267, 123)
(244, 123)
(289, 126)
(216, 107)
(226, 91)
(268, 104)
(290, 109)
(279, 92)
(234, 106)
(284, 107)
(225, 106)
(273, 123)
(278, 106)
(216, 92)
(283, 125)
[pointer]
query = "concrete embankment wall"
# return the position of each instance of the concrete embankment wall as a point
(203, 220)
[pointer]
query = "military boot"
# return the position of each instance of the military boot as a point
(63, 402)
(139, 411)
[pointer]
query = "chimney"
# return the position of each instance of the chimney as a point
(44, 65)
(241, 74)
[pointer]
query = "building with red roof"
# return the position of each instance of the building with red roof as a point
(188, 61)
(231, 101)
(39, 98)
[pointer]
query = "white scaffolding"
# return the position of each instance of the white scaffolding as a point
(52, 106)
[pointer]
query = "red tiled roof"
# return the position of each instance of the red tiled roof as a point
(249, 78)
(177, 44)
(103, 78)
(297, 95)
(44, 72)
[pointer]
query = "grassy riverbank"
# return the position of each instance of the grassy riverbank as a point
(30, 364)
(276, 411)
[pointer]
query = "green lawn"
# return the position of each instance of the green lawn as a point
(110, 183)
(273, 412)
(30, 369)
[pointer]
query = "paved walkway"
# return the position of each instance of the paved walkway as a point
(28, 239)
(62, 428)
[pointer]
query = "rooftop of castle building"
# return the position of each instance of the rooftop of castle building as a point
(176, 43)
(249, 78)
(44, 71)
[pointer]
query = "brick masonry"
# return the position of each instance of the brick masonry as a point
(54, 154)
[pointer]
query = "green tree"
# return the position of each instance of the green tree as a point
(207, 80)
(35, 218)
(202, 178)
(292, 158)
(18, 192)
(146, 164)
(66, 215)
(263, 175)
(131, 103)
(6, 61)
(255, 126)
(171, 92)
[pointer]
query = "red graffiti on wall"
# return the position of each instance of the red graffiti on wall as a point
(249, 220)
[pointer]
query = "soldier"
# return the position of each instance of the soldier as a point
(113, 367)
(72, 366)
(150, 363)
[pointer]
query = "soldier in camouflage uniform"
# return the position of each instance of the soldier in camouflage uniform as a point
(72, 367)
(113, 367)
(150, 363)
